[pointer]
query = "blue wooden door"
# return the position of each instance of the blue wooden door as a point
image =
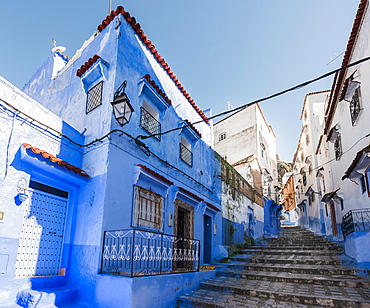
(207, 239)
(41, 240)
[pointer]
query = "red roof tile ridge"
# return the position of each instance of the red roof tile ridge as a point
(212, 206)
(193, 128)
(157, 175)
(89, 63)
(137, 28)
(191, 194)
(156, 87)
(338, 79)
(56, 160)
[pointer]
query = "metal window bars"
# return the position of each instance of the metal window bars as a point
(356, 221)
(138, 252)
(150, 124)
(186, 155)
(94, 97)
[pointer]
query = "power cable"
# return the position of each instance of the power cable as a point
(145, 148)
(262, 99)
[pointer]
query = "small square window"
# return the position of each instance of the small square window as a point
(185, 152)
(94, 97)
(222, 136)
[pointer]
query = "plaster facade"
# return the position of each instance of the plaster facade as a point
(125, 165)
(342, 151)
(347, 136)
(306, 184)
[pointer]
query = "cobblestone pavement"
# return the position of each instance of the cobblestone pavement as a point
(279, 275)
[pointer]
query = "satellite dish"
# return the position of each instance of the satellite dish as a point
(59, 48)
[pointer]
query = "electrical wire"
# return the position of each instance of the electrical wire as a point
(146, 150)
(142, 146)
(299, 86)
(323, 164)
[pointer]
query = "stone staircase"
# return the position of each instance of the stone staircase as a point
(297, 269)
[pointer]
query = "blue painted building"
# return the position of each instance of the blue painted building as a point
(96, 212)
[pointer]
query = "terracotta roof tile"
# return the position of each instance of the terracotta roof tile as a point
(191, 194)
(157, 175)
(84, 67)
(56, 160)
(137, 28)
(212, 206)
(159, 91)
(193, 128)
(339, 77)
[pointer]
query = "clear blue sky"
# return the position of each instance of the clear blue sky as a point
(236, 50)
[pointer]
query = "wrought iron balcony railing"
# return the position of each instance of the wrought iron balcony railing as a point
(136, 252)
(186, 155)
(356, 221)
(150, 123)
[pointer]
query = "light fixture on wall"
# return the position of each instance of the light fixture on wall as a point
(22, 189)
(122, 108)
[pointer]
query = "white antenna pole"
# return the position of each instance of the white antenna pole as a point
(110, 6)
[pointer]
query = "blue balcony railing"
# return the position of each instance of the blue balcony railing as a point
(136, 252)
(356, 221)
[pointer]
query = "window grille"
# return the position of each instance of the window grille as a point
(355, 106)
(222, 137)
(362, 184)
(186, 155)
(94, 97)
(150, 124)
(338, 147)
(148, 208)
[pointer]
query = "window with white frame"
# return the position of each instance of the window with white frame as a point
(148, 208)
(185, 151)
(149, 120)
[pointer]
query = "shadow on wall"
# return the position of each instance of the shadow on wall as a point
(272, 213)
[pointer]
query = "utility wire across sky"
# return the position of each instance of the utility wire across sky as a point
(141, 144)
(263, 99)
(146, 149)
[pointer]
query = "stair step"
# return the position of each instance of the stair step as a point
(305, 252)
(334, 280)
(296, 268)
(47, 297)
(299, 293)
(289, 259)
(302, 247)
(214, 299)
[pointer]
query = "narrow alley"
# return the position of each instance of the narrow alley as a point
(297, 269)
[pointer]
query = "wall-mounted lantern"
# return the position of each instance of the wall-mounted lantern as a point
(121, 105)
(22, 190)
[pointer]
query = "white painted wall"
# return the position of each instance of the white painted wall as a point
(245, 131)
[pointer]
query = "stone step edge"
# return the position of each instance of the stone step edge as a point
(360, 282)
(301, 262)
(297, 247)
(293, 268)
(282, 296)
(292, 250)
